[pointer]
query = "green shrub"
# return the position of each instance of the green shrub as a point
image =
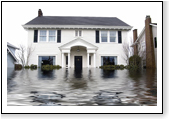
(27, 67)
(112, 67)
(18, 66)
(122, 66)
(135, 60)
(33, 66)
(50, 67)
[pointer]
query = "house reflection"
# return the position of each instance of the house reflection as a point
(46, 75)
(151, 82)
(108, 74)
(11, 73)
(78, 73)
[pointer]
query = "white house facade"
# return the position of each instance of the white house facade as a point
(76, 41)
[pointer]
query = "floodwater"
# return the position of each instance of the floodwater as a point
(86, 87)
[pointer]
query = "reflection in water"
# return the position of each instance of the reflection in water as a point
(82, 87)
(10, 82)
(108, 74)
(78, 73)
(46, 75)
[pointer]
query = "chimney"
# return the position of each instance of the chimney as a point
(40, 13)
(134, 40)
(150, 57)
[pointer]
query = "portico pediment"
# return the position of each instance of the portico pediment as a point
(78, 42)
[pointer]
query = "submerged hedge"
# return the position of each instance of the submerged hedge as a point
(31, 67)
(112, 67)
(50, 67)
(121, 67)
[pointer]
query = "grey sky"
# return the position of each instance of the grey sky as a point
(16, 14)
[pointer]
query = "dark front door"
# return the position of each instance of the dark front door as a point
(78, 62)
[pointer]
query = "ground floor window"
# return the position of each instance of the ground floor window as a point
(108, 60)
(44, 60)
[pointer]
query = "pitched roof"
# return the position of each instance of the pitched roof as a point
(69, 20)
(10, 45)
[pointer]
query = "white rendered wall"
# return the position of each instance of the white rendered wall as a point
(51, 48)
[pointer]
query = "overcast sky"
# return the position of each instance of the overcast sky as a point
(16, 14)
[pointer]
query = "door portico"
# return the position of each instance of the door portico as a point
(78, 47)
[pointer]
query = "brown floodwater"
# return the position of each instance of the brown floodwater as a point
(86, 87)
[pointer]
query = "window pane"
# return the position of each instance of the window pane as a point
(42, 32)
(112, 39)
(51, 38)
(112, 36)
(104, 36)
(42, 35)
(42, 38)
(44, 60)
(109, 60)
(52, 33)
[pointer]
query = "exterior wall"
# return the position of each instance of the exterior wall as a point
(10, 61)
(67, 35)
(154, 29)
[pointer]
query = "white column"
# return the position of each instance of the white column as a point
(68, 60)
(94, 60)
(88, 60)
(62, 60)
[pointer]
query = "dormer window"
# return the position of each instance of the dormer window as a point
(78, 33)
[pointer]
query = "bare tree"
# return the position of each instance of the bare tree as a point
(142, 51)
(21, 54)
(128, 51)
(24, 54)
(30, 49)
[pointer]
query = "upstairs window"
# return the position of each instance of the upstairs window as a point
(108, 36)
(43, 35)
(78, 33)
(104, 36)
(112, 36)
(52, 35)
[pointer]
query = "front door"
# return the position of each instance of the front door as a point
(78, 62)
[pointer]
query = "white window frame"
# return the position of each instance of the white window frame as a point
(54, 36)
(108, 37)
(40, 36)
(47, 36)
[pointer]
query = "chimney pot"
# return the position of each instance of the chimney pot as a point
(148, 16)
(40, 13)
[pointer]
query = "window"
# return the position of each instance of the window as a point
(108, 36)
(108, 60)
(44, 60)
(78, 33)
(155, 42)
(52, 34)
(104, 36)
(43, 35)
(112, 36)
